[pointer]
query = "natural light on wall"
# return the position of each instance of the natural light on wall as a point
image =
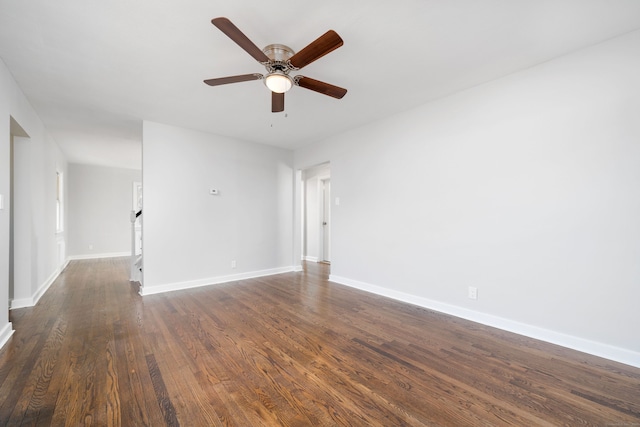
(59, 203)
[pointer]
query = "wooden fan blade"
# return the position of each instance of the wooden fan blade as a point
(233, 79)
(320, 87)
(328, 42)
(277, 102)
(241, 40)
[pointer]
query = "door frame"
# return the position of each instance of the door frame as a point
(324, 213)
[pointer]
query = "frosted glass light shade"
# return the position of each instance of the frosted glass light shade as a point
(278, 82)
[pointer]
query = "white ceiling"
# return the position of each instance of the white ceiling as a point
(94, 69)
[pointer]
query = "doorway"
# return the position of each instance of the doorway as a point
(316, 213)
(17, 135)
(325, 211)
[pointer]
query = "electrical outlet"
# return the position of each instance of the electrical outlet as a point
(233, 264)
(473, 292)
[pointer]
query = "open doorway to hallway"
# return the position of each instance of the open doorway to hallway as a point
(17, 135)
(316, 214)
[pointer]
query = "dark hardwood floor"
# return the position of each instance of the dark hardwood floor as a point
(292, 350)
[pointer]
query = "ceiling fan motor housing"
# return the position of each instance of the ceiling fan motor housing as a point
(278, 52)
(278, 55)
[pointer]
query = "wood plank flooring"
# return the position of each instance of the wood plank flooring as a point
(285, 350)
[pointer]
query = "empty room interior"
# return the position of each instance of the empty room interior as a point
(420, 213)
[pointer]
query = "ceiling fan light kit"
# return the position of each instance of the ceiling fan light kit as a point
(278, 82)
(280, 60)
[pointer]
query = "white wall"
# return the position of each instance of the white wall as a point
(37, 158)
(526, 188)
(191, 237)
(99, 208)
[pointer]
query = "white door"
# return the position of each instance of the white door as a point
(326, 220)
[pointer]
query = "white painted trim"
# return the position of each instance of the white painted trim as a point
(150, 290)
(5, 334)
(46, 285)
(320, 209)
(33, 300)
(95, 256)
(310, 258)
(599, 349)
(21, 303)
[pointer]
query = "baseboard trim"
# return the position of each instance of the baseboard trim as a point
(47, 284)
(310, 258)
(594, 348)
(6, 333)
(33, 300)
(21, 303)
(96, 256)
(169, 287)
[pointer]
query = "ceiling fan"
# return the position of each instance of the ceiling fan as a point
(280, 60)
